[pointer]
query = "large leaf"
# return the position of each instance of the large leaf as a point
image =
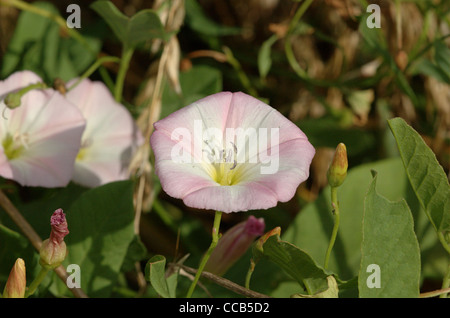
(144, 25)
(101, 230)
(389, 250)
(296, 262)
(201, 23)
(311, 230)
(44, 50)
(13, 246)
(426, 175)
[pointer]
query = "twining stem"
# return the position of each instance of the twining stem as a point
(245, 81)
(215, 239)
(335, 205)
(288, 48)
(36, 282)
(249, 273)
(127, 53)
(446, 281)
(93, 67)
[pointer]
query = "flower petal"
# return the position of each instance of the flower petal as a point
(48, 128)
(110, 139)
(281, 159)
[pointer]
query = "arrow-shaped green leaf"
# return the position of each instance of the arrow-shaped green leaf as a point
(390, 255)
(426, 175)
(144, 25)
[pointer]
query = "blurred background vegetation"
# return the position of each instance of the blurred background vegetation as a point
(317, 62)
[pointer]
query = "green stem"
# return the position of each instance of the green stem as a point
(36, 282)
(215, 239)
(127, 53)
(245, 81)
(26, 89)
(297, 16)
(446, 282)
(444, 243)
(93, 67)
(250, 271)
(287, 47)
(335, 204)
(13, 100)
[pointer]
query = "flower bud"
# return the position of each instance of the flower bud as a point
(338, 169)
(17, 283)
(53, 250)
(233, 244)
(12, 100)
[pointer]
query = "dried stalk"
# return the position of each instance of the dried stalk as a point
(223, 282)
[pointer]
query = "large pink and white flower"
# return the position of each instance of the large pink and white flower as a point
(39, 139)
(230, 152)
(110, 138)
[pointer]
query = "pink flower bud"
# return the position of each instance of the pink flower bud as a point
(233, 244)
(53, 250)
(17, 283)
(338, 169)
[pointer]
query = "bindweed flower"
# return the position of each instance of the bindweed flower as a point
(337, 171)
(230, 152)
(39, 139)
(233, 244)
(53, 250)
(110, 138)
(17, 282)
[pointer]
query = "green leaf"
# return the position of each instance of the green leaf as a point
(156, 275)
(426, 175)
(311, 229)
(331, 292)
(136, 252)
(326, 132)
(390, 254)
(144, 25)
(44, 51)
(154, 272)
(361, 101)
(426, 67)
(192, 88)
(297, 263)
(101, 225)
(12, 246)
(442, 57)
(264, 58)
(199, 22)
(116, 20)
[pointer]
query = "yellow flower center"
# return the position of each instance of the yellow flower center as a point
(223, 168)
(13, 146)
(226, 174)
(85, 144)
